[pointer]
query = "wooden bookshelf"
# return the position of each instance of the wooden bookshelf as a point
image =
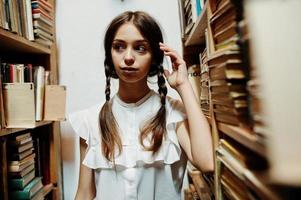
(8, 131)
(281, 143)
(17, 49)
(258, 181)
(197, 34)
(15, 43)
(243, 136)
(48, 188)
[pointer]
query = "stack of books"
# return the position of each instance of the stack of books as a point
(227, 72)
(192, 9)
(253, 86)
(238, 171)
(43, 22)
(22, 181)
(204, 97)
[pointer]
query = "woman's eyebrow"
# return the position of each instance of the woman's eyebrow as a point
(136, 41)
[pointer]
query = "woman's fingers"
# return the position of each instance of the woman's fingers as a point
(174, 56)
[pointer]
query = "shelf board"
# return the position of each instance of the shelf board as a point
(48, 188)
(13, 42)
(197, 34)
(7, 131)
(243, 136)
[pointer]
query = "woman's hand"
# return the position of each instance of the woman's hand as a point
(178, 77)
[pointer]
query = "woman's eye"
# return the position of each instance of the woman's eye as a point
(141, 48)
(118, 47)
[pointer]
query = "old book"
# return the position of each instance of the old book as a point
(225, 34)
(224, 86)
(19, 105)
(20, 183)
(244, 156)
(19, 168)
(20, 142)
(231, 119)
(21, 148)
(223, 21)
(229, 109)
(22, 137)
(55, 102)
(21, 155)
(39, 83)
(22, 173)
(230, 96)
(229, 44)
(224, 56)
(21, 162)
(29, 191)
(228, 70)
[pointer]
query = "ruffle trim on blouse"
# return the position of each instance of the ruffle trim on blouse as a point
(133, 155)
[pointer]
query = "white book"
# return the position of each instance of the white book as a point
(29, 19)
(39, 82)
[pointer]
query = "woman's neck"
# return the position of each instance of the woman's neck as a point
(132, 92)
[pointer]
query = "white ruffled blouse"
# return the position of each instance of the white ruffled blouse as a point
(138, 175)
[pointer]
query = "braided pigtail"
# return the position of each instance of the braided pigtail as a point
(108, 125)
(157, 125)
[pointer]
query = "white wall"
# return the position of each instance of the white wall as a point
(80, 30)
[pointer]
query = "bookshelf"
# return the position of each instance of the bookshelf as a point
(15, 48)
(246, 127)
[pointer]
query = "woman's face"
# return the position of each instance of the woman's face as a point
(131, 54)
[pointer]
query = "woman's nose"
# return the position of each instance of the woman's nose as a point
(129, 57)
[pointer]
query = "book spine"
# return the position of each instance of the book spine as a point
(3, 170)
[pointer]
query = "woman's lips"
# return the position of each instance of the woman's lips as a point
(129, 70)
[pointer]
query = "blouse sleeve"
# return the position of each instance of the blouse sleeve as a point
(175, 113)
(78, 121)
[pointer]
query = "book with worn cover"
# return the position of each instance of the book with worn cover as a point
(20, 183)
(19, 105)
(55, 102)
(29, 191)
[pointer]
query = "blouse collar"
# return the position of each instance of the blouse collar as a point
(136, 104)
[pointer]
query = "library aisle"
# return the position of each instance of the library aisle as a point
(243, 58)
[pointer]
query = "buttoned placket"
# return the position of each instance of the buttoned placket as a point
(130, 173)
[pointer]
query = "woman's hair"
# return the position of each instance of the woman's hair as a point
(150, 30)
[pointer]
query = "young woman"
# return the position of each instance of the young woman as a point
(135, 145)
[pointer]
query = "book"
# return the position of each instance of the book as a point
(223, 86)
(244, 156)
(20, 142)
(29, 191)
(39, 195)
(21, 155)
(29, 19)
(22, 136)
(227, 70)
(19, 168)
(20, 183)
(21, 148)
(19, 105)
(224, 56)
(39, 75)
(55, 102)
(21, 174)
(21, 162)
